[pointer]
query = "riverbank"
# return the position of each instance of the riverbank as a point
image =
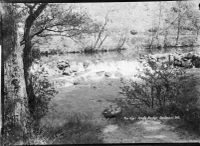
(91, 89)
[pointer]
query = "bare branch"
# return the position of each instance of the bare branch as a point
(37, 33)
(101, 32)
(46, 35)
(102, 41)
(181, 15)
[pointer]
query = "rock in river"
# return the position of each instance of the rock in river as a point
(86, 63)
(100, 73)
(63, 64)
(108, 74)
(112, 111)
(67, 72)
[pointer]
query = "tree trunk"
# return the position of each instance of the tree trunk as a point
(15, 113)
(178, 32)
(197, 35)
(157, 33)
(165, 39)
(179, 24)
(152, 97)
(27, 62)
(28, 59)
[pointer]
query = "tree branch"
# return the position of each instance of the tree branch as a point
(37, 33)
(33, 16)
(45, 35)
(101, 32)
(62, 30)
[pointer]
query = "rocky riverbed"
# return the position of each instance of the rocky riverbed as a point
(81, 72)
(65, 73)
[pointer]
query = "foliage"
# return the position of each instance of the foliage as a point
(36, 53)
(187, 102)
(133, 32)
(154, 29)
(51, 20)
(44, 92)
(187, 41)
(192, 118)
(163, 90)
(59, 20)
(175, 20)
(134, 110)
(158, 87)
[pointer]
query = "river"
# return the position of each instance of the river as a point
(130, 54)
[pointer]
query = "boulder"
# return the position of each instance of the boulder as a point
(133, 32)
(100, 73)
(189, 56)
(193, 58)
(60, 83)
(112, 111)
(108, 74)
(185, 59)
(187, 64)
(110, 128)
(78, 80)
(96, 61)
(63, 64)
(67, 72)
(86, 64)
(177, 63)
(196, 62)
(162, 58)
(74, 68)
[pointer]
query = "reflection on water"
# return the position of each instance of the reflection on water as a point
(117, 55)
(104, 56)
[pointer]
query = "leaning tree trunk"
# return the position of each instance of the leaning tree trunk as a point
(28, 59)
(15, 113)
(27, 62)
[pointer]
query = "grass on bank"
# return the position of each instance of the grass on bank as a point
(76, 130)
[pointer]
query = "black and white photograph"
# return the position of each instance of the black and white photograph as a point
(99, 72)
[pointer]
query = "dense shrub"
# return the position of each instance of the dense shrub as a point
(158, 87)
(133, 32)
(187, 103)
(187, 41)
(154, 29)
(192, 117)
(89, 49)
(36, 53)
(134, 110)
(44, 92)
(163, 90)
